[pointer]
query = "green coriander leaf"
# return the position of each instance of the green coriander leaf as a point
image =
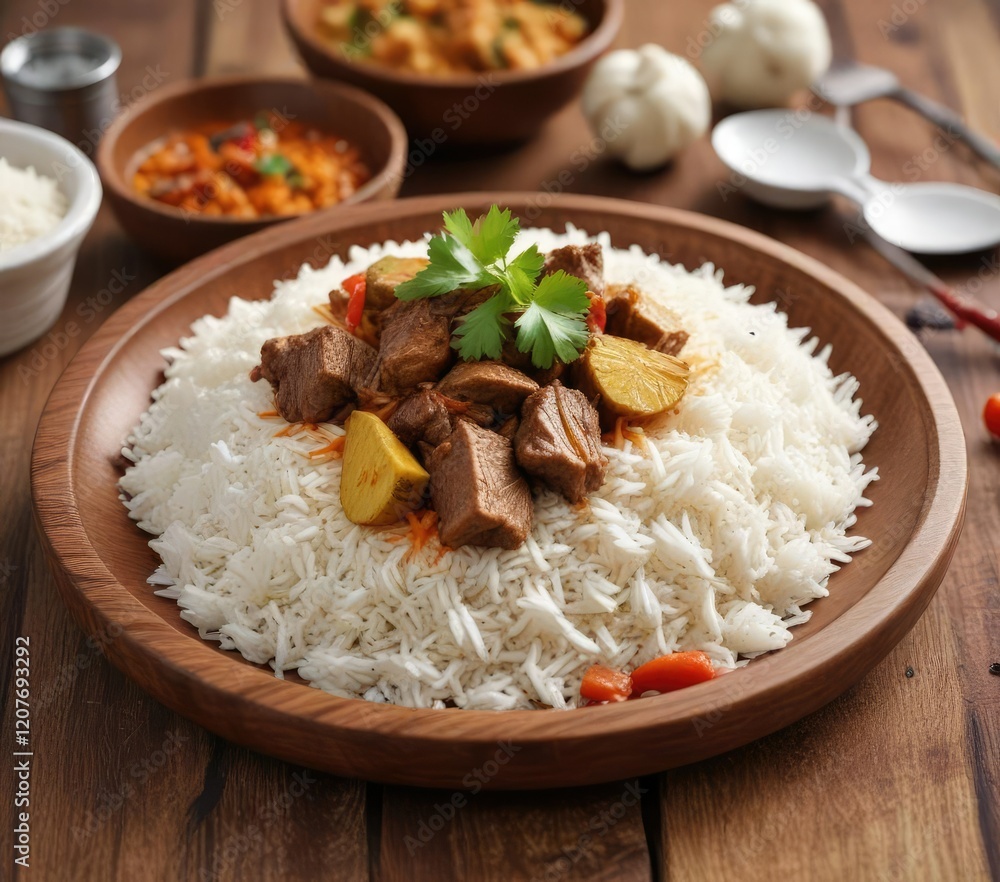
(521, 273)
(563, 293)
(275, 164)
(554, 324)
(489, 238)
(496, 233)
(452, 266)
(458, 224)
(549, 335)
(531, 260)
(482, 332)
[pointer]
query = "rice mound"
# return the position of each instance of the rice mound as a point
(714, 537)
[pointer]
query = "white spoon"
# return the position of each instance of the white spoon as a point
(789, 159)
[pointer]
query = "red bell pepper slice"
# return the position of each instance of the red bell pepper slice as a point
(355, 287)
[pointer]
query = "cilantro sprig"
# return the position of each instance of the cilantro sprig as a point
(471, 255)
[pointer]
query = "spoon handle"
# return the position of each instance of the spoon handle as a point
(952, 124)
(962, 308)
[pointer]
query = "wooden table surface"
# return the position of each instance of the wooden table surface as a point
(897, 780)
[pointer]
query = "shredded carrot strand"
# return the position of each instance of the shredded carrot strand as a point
(334, 448)
(292, 429)
(421, 530)
(623, 432)
(268, 414)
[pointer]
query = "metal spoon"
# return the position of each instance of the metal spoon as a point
(848, 83)
(798, 159)
(795, 160)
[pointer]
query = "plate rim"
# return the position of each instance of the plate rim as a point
(96, 599)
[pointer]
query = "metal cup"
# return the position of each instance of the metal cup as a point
(63, 79)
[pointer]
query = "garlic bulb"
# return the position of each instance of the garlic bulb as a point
(765, 50)
(646, 104)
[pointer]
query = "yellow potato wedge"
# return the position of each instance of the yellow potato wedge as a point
(628, 379)
(381, 480)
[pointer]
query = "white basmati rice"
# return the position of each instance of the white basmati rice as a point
(31, 205)
(714, 538)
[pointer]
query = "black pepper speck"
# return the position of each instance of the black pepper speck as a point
(909, 672)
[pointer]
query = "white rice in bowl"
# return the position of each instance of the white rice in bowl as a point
(31, 205)
(714, 537)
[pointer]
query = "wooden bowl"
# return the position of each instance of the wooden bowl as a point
(490, 108)
(332, 107)
(102, 559)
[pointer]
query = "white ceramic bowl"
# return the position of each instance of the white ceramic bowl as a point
(35, 276)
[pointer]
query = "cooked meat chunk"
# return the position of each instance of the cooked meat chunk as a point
(559, 441)
(488, 382)
(415, 347)
(633, 315)
(423, 416)
(477, 490)
(508, 428)
(385, 275)
(429, 416)
(583, 261)
(315, 373)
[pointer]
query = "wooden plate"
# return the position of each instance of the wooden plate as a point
(102, 560)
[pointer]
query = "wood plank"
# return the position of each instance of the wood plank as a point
(593, 833)
(878, 785)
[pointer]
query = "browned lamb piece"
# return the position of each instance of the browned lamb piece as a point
(488, 382)
(429, 416)
(423, 416)
(314, 374)
(479, 494)
(585, 262)
(559, 441)
(638, 317)
(508, 428)
(385, 275)
(415, 347)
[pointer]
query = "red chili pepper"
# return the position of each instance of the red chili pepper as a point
(355, 287)
(597, 316)
(247, 142)
(670, 672)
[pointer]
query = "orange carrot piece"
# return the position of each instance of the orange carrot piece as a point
(335, 448)
(670, 672)
(602, 683)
